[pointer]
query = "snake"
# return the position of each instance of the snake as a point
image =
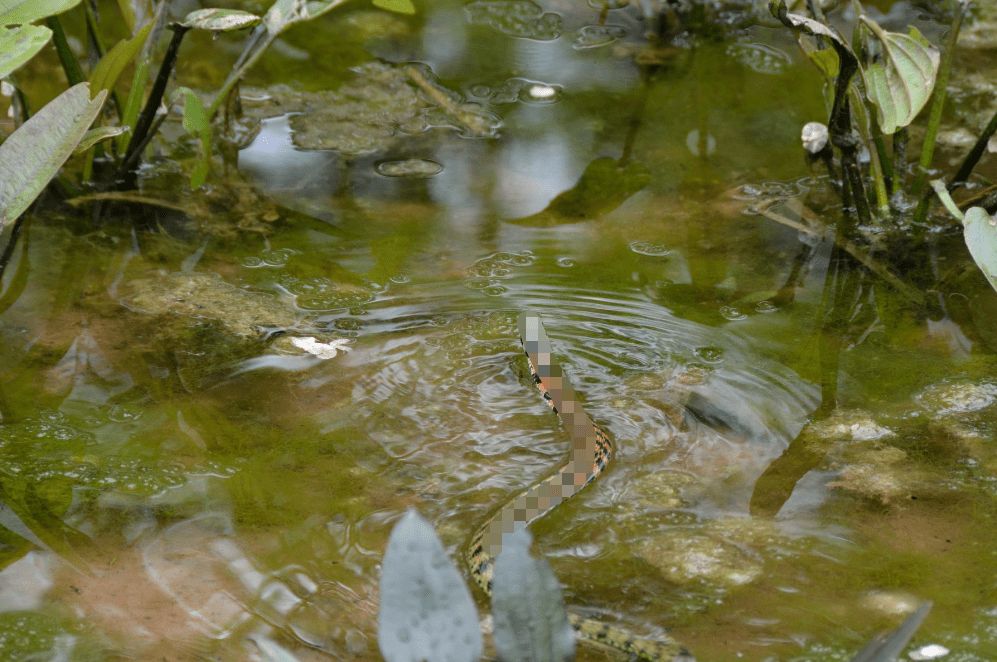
(591, 452)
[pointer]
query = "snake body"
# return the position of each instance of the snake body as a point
(591, 452)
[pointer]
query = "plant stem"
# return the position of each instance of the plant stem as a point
(240, 71)
(973, 157)
(156, 95)
(937, 105)
(94, 28)
(69, 64)
(140, 76)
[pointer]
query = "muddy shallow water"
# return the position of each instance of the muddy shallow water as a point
(210, 423)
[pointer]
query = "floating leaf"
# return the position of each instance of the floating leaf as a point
(196, 122)
(400, 6)
(33, 154)
(98, 135)
(107, 71)
(221, 20)
(604, 186)
(426, 609)
(531, 624)
(901, 85)
(20, 44)
(19, 12)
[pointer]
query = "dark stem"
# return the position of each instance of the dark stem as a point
(69, 64)
(962, 174)
(144, 123)
(8, 250)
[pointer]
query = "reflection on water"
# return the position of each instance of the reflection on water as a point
(182, 476)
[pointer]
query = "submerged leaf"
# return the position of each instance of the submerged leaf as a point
(221, 20)
(33, 154)
(426, 609)
(107, 71)
(531, 624)
(901, 85)
(196, 122)
(603, 187)
(20, 44)
(19, 12)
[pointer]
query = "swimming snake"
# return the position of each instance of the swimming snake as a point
(591, 452)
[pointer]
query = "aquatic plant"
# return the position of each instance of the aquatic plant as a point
(35, 152)
(881, 82)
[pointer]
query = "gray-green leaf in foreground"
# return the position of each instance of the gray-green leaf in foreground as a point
(426, 610)
(287, 12)
(19, 12)
(221, 20)
(531, 623)
(33, 154)
(902, 83)
(20, 44)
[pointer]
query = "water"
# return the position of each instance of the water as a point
(181, 479)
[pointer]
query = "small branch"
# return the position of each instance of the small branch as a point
(145, 119)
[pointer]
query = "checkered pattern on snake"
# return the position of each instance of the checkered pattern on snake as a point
(591, 452)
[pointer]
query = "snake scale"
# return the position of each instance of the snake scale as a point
(591, 452)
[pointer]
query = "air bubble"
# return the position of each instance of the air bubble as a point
(709, 354)
(731, 313)
(648, 248)
(565, 262)
(400, 279)
(765, 307)
(495, 290)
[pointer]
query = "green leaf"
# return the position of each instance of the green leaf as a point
(806, 25)
(902, 83)
(284, 13)
(980, 232)
(20, 44)
(528, 607)
(107, 71)
(400, 6)
(827, 62)
(426, 609)
(221, 20)
(196, 122)
(943, 194)
(19, 12)
(98, 135)
(33, 154)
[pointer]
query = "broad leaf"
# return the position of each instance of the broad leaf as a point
(107, 71)
(196, 122)
(902, 83)
(426, 609)
(400, 6)
(531, 623)
(221, 20)
(980, 231)
(287, 12)
(19, 12)
(20, 44)
(33, 154)
(99, 135)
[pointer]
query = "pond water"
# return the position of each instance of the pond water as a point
(216, 404)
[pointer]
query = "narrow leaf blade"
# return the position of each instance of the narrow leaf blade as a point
(426, 609)
(98, 135)
(528, 607)
(33, 154)
(20, 44)
(108, 70)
